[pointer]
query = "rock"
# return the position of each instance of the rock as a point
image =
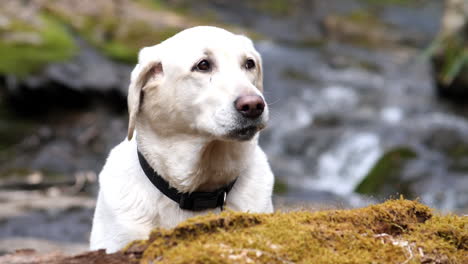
(30, 40)
(395, 231)
(384, 179)
(101, 64)
(60, 145)
(335, 107)
(95, 257)
(47, 220)
(88, 72)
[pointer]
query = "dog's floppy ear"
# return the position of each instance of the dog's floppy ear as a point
(149, 68)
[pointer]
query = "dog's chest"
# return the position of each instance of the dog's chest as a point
(165, 213)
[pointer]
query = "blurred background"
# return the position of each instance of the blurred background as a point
(367, 98)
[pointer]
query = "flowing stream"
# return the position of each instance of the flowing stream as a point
(336, 110)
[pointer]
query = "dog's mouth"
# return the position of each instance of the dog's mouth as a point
(245, 133)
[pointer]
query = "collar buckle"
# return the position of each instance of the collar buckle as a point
(198, 201)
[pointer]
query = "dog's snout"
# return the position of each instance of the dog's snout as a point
(250, 106)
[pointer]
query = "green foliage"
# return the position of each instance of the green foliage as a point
(450, 57)
(396, 231)
(454, 58)
(54, 44)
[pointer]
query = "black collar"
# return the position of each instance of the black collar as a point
(195, 201)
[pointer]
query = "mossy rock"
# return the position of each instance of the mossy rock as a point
(26, 47)
(121, 28)
(397, 231)
(117, 28)
(384, 178)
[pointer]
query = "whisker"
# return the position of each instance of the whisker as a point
(274, 102)
(273, 114)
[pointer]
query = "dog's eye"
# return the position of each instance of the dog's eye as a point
(203, 66)
(249, 64)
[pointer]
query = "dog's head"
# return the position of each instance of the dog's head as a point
(205, 81)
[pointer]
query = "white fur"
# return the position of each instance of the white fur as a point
(184, 127)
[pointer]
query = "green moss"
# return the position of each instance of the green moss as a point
(118, 31)
(120, 52)
(19, 174)
(126, 49)
(393, 232)
(458, 157)
(54, 44)
(275, 7)
(153, 4)
(121, 33)
(363, 16)
(386, 173)
(368, 20)
(109, 31)
(391, 2)
(280, 187)
(442, 233)
(459, 151)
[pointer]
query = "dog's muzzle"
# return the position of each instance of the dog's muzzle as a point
(250, 118)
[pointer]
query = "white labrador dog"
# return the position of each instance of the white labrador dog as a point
(196, 103)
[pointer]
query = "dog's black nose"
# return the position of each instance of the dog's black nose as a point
(250, 106)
